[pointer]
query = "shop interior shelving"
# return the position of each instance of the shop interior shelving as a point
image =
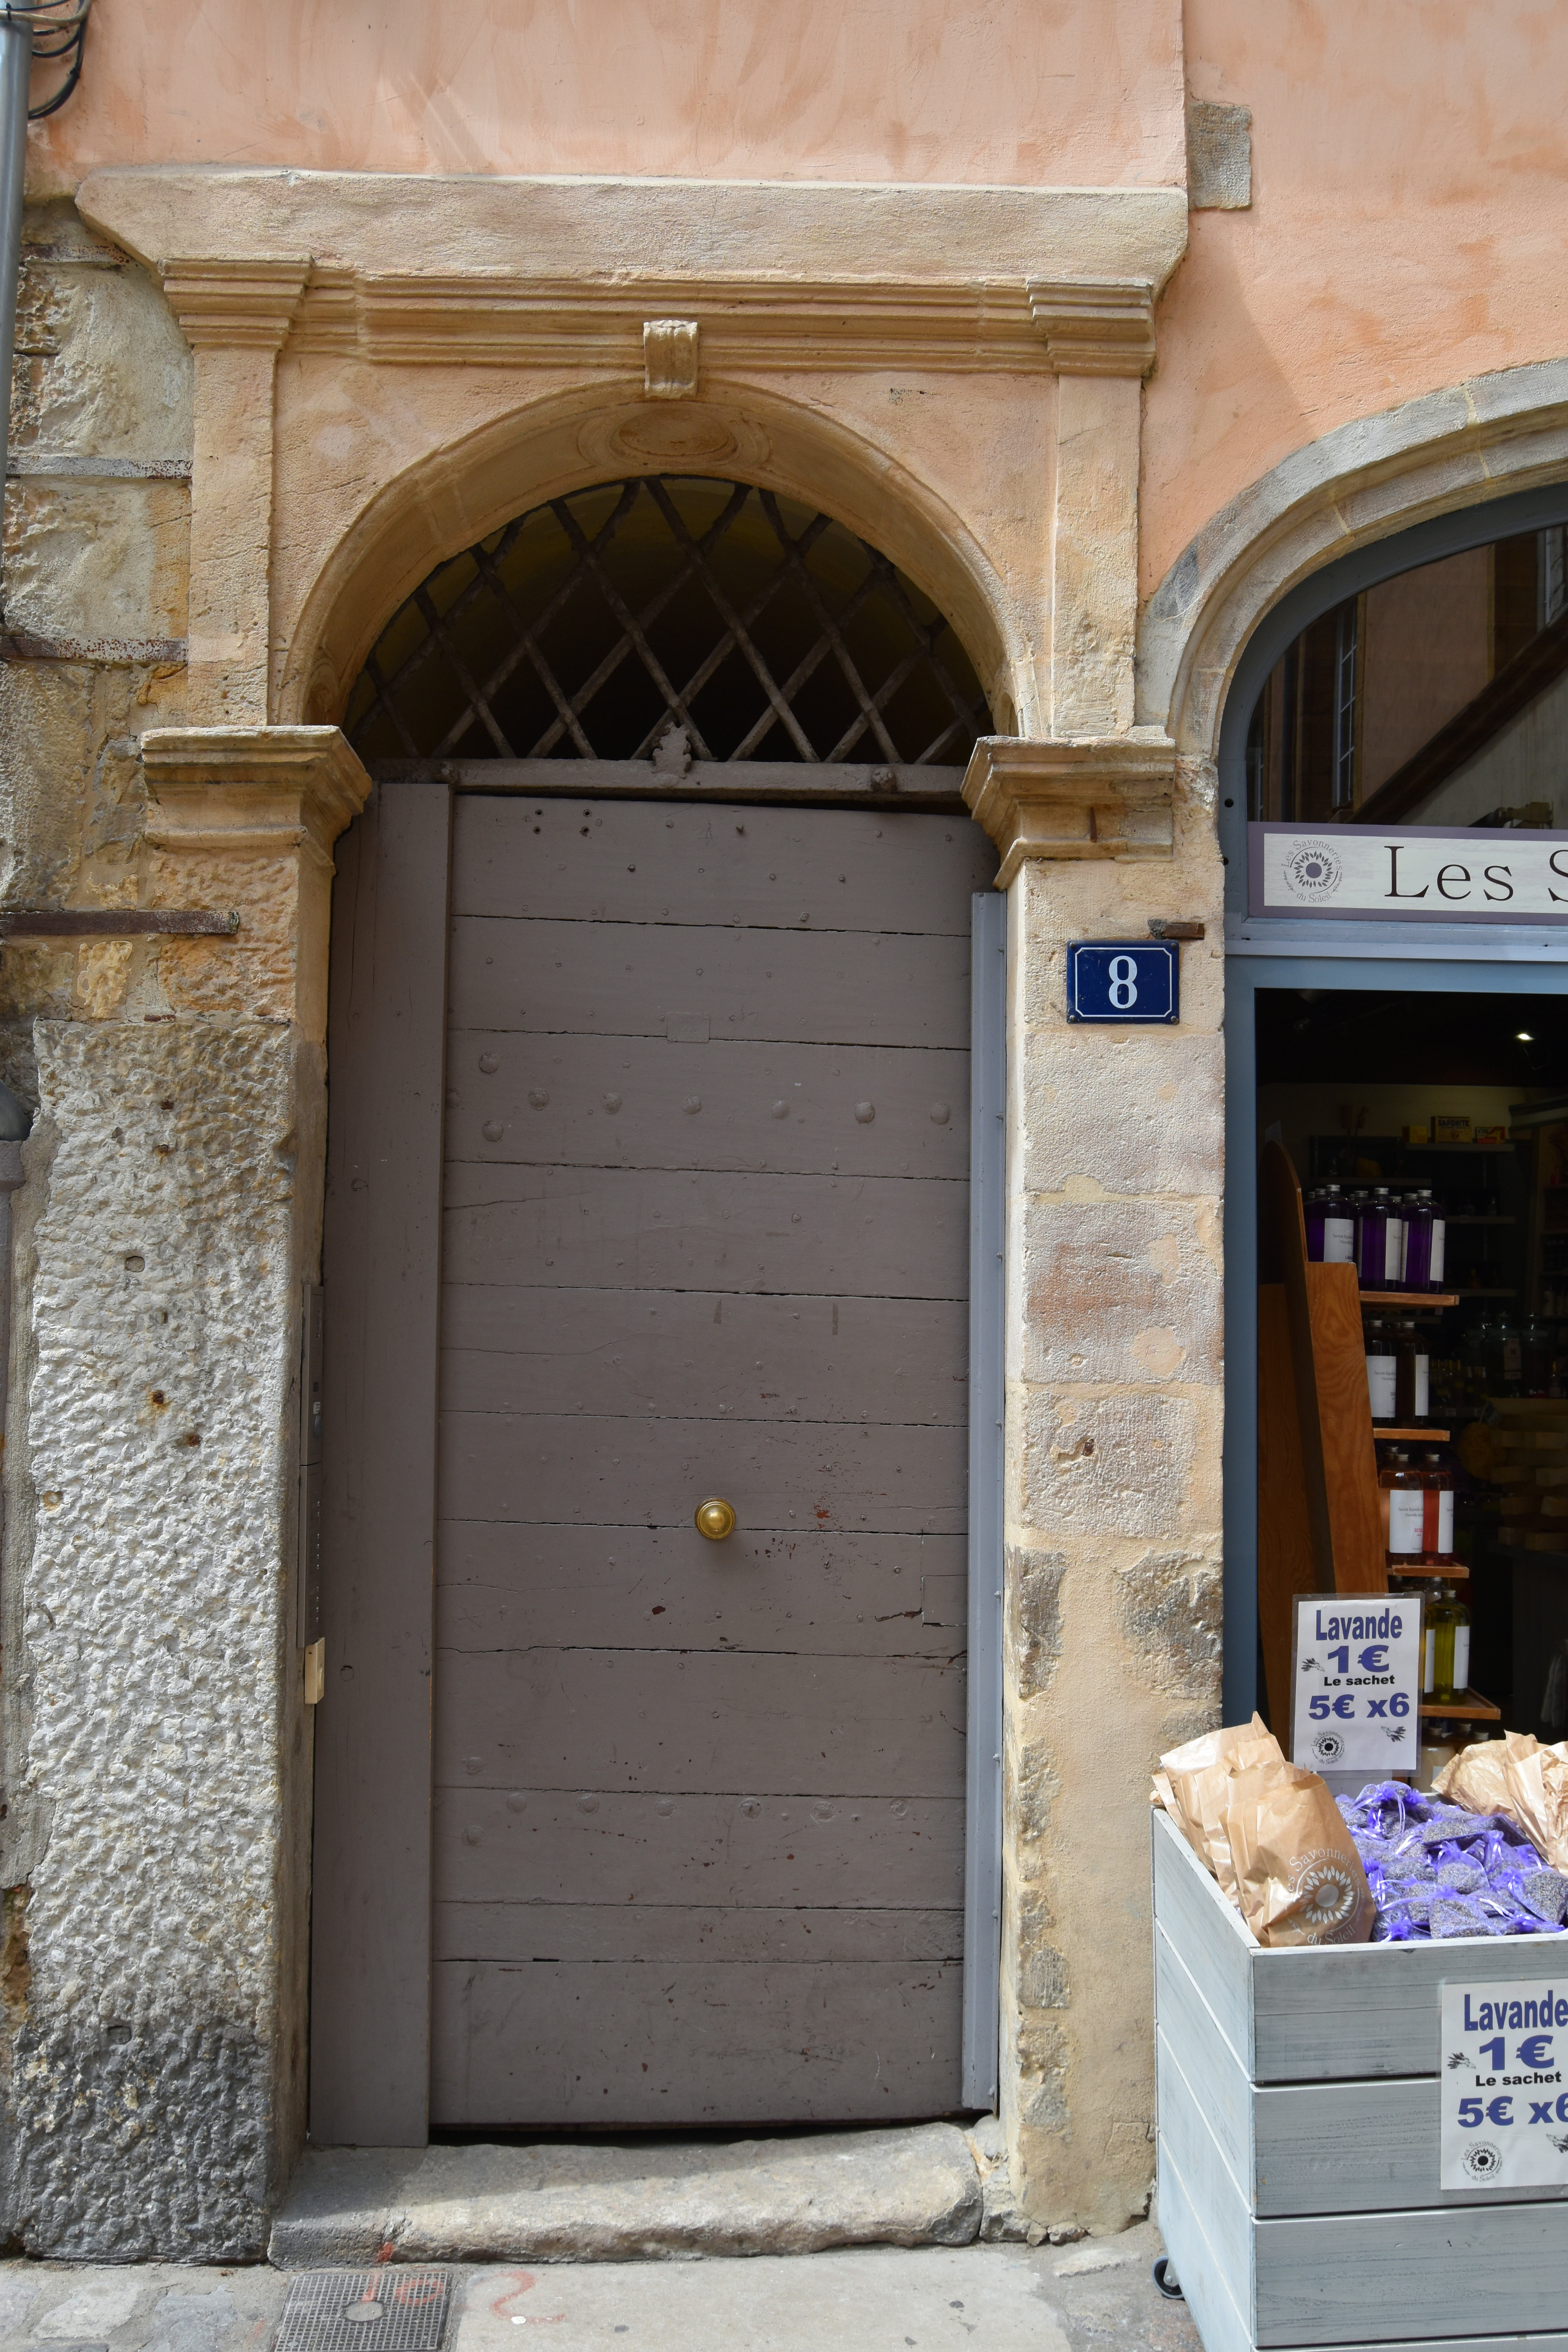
(1319, 1525)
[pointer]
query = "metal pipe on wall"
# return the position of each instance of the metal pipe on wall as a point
(15, 77)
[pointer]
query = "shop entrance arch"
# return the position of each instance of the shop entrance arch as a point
(1467, 741)
(652, 1095)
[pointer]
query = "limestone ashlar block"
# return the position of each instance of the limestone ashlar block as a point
(1117, 1462)
(148, 1473)
(1121, 1291)
(101, 564)
(1129, 1111)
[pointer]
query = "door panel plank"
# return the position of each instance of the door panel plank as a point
(596, 1471)
(370, 1997)
(841, 1237)
(698, 1352)
(867, 988)
(650, 1102)
(660, 1933)
(842, 1595)
(844, 869)
(611, 1847)
(530, 1718)
(606, 2045)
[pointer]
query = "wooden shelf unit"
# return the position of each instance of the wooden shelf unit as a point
(1424, 1301)
(1384, 1436)
(1471, 1706)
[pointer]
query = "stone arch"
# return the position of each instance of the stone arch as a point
(468, 487)
(1369, 481)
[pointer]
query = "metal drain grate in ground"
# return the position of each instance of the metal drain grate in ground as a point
(387, 2310)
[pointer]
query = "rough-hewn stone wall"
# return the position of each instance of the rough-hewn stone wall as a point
(153, 1839)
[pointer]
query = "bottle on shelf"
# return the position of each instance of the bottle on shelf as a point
(1401, 1501)
(1381, 1370)
(1437, 1512)
(1371, 1239)
(1330, 1227)
(1446, 1672)
(1536, 1358)
(1509, 1359)
(1419, 1220)
(1412, 1376)
(1394, 1244)
(1440, 1743)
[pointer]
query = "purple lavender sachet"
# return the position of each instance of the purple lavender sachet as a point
(1436, 1871)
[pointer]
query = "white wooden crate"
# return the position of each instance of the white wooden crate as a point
(1298, 2140)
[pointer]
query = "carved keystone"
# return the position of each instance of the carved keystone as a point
(669, 359)
(1078, 796)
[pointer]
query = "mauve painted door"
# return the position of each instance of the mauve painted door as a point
(699, 1806)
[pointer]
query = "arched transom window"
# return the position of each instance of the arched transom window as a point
(592, 625)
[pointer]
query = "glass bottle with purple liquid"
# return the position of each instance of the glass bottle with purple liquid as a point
(1330, 1227)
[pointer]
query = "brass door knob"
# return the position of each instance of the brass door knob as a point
(715, 1518)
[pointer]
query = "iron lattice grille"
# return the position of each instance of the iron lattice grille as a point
(590, 626)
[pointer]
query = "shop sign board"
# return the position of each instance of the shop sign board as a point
(1504, 2085)
(1357, 1683)
(1411, 874)
(1133, 982)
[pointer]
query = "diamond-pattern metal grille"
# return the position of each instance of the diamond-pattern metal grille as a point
(591, 626)
(387, 2310)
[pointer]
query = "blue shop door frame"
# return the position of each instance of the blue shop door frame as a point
(1505, 964)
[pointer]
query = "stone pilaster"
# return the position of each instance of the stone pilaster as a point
(236, 316)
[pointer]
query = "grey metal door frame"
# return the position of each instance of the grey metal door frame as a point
(371, 1913)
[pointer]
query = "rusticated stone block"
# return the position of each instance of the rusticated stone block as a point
(152, 2082)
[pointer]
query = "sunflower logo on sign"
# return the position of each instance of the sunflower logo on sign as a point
(1326, 1892)
(1328, 1747)
(1482, 2160)
(1312, 870)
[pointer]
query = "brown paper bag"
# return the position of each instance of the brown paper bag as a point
(1198, 1775)
(1517, 1775)
(1298, 1878)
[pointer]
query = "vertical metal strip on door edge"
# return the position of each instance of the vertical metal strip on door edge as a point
(982, 1785)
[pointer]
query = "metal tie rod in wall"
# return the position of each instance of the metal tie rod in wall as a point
(115, 923)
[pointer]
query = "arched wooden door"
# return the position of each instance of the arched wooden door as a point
(648, 1183)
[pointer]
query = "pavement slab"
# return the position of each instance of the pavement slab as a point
(993, 2298)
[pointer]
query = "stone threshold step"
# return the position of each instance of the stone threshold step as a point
(921, 2186)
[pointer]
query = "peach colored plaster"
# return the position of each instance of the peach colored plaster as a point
(1409, 209)
(1020, 92)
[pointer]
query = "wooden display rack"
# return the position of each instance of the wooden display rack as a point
(1320, 1528)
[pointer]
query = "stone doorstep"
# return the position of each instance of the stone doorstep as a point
(927, 2184)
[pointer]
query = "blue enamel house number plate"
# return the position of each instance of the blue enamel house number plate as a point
(1124, 980)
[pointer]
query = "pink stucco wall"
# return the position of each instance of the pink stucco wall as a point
(1016, 91)
(1408, 225)
(1410, 162)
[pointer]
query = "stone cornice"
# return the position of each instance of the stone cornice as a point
(1105, 329)
(1074, 797)
(263, 790)
(222, 303)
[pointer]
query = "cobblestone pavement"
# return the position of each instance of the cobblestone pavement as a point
(1078, 2298)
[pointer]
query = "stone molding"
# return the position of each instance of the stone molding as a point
(669, 352)
(509, 319)
(1095, 329)
(263, 790)
(1074, 797)
(224, 304)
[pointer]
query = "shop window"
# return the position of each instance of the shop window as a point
(1437, 697)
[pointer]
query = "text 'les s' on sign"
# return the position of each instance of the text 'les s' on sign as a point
(1408, 874)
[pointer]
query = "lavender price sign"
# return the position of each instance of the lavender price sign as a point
(1410, 873)
(1504, 2085)
(1356, 1685)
